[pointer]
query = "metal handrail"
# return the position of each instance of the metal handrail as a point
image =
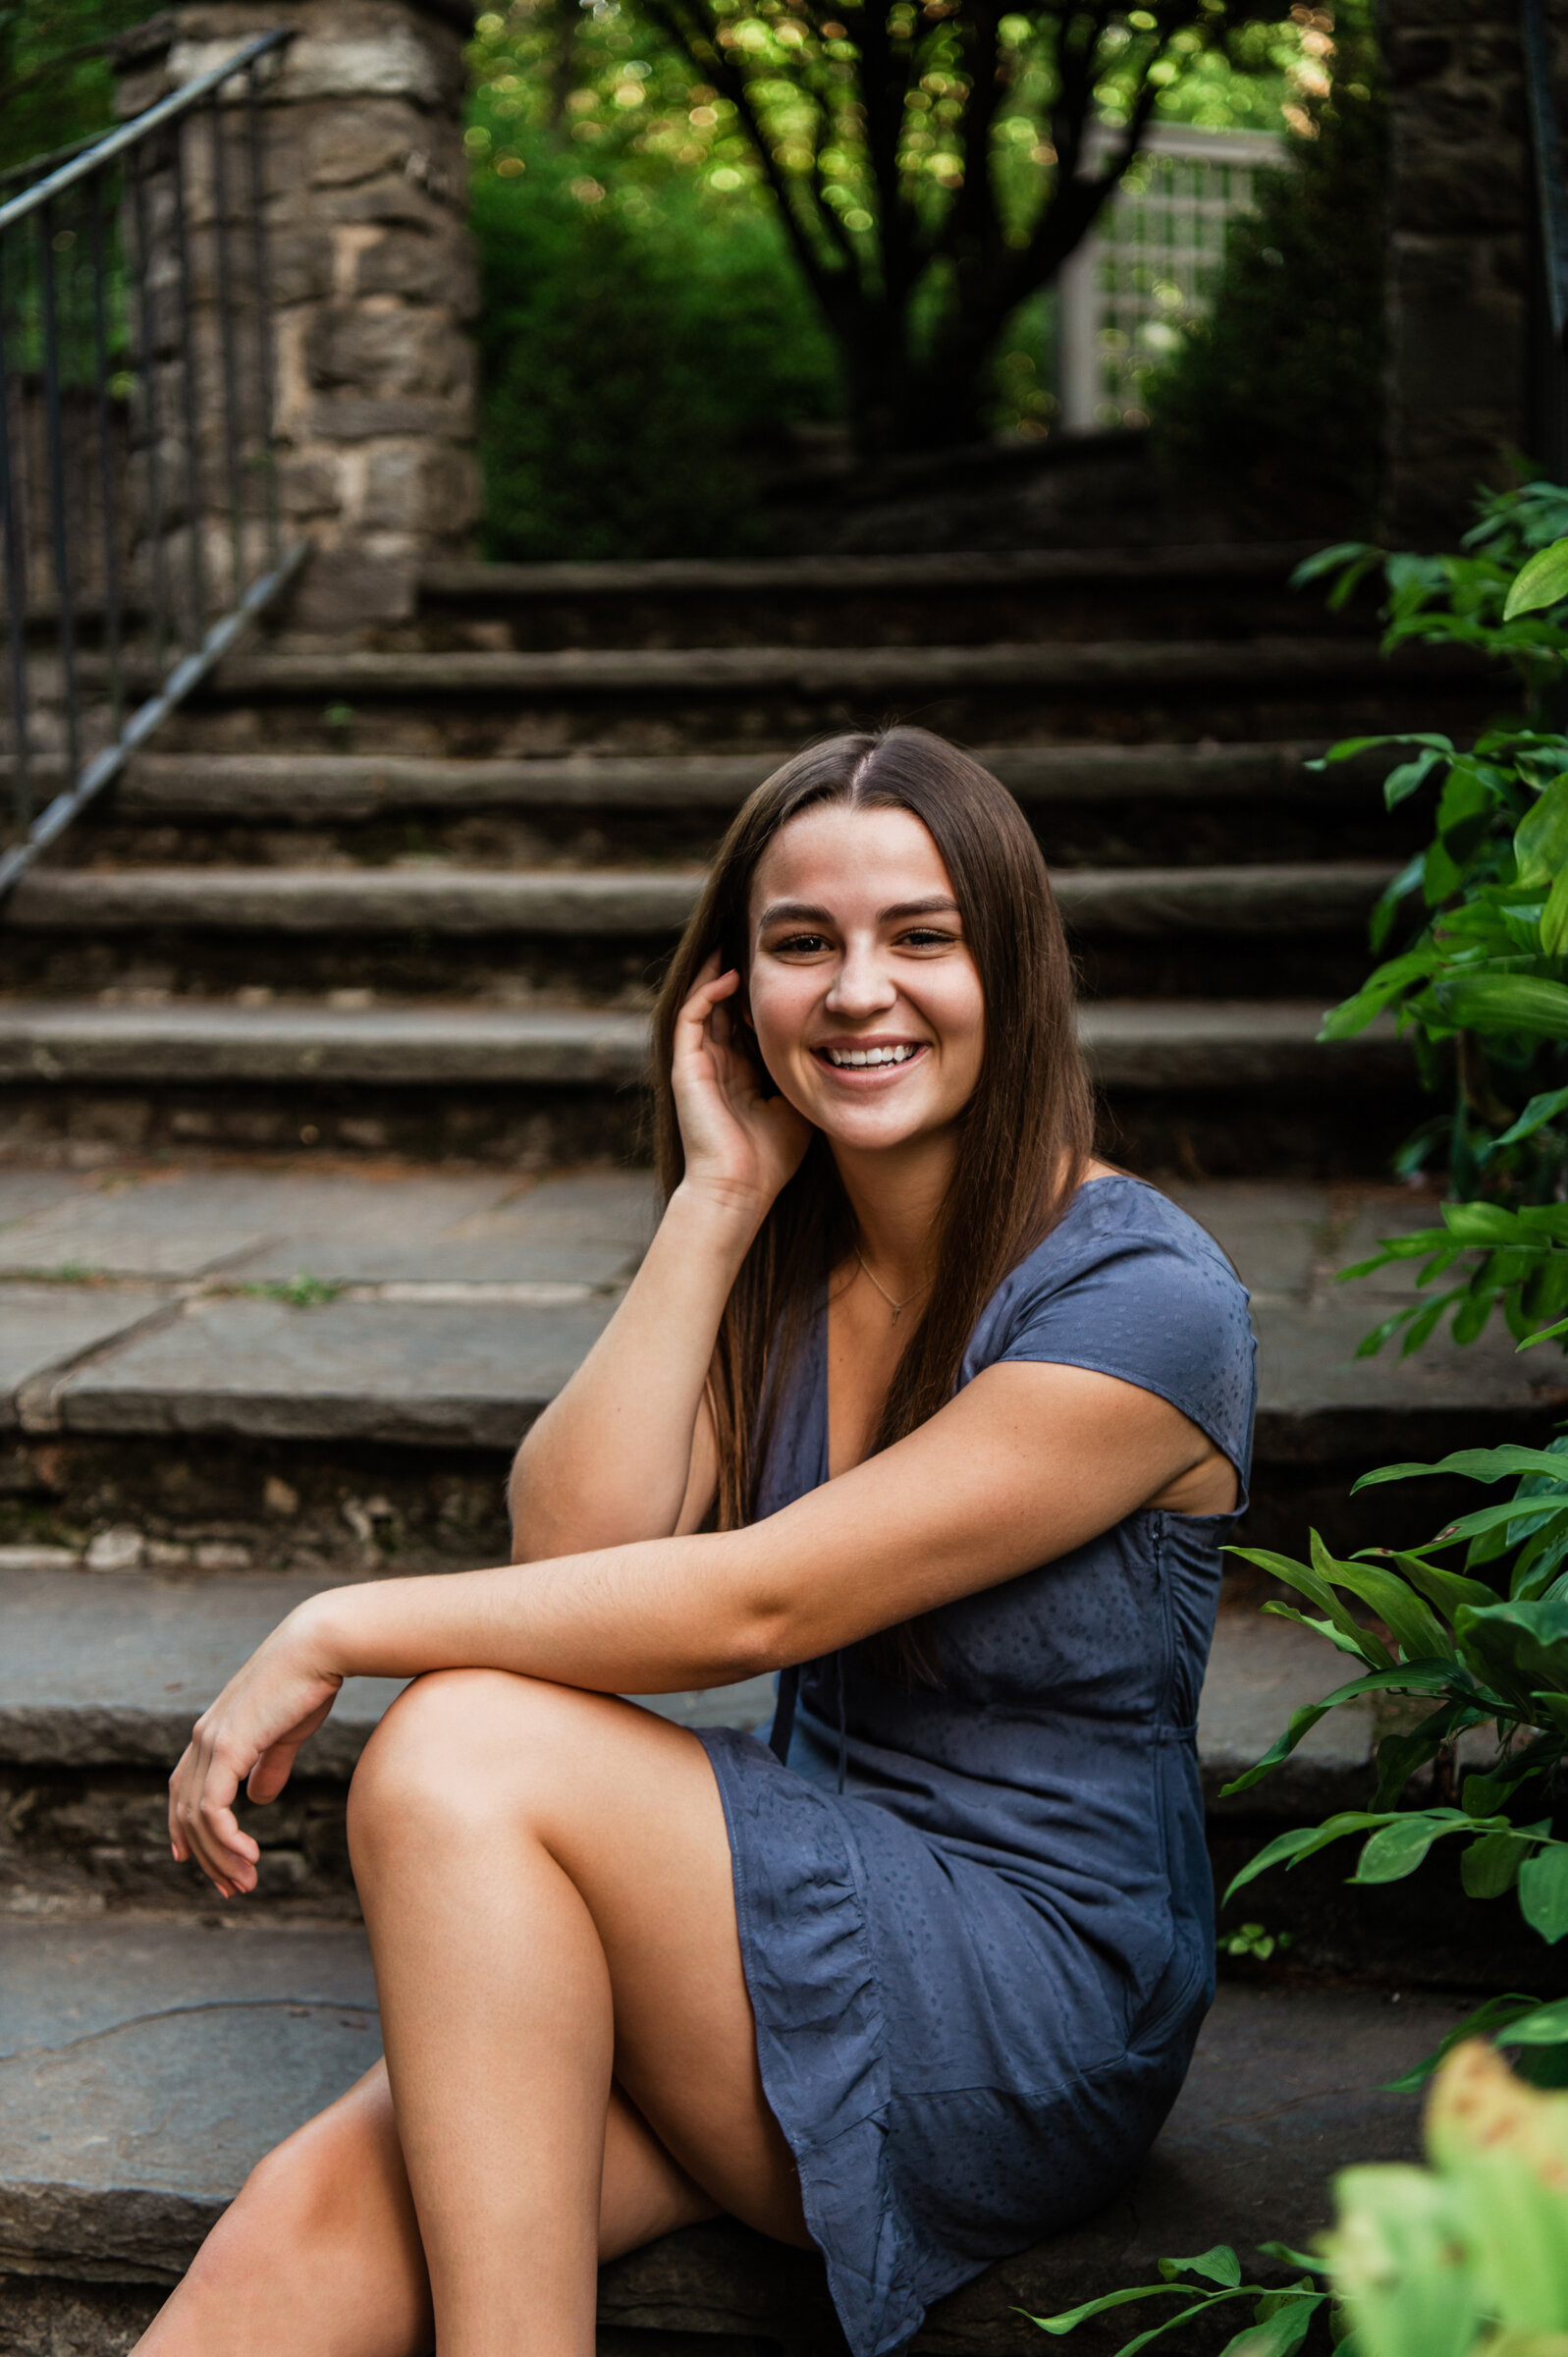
(179, 102)
(57, 345)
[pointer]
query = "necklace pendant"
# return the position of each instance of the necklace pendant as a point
(895, 1313)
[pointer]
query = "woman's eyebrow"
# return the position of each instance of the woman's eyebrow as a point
(938, 905)
(802, 913)
(796, 913)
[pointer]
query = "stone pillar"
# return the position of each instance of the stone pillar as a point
(373, 280)
(1459, 266)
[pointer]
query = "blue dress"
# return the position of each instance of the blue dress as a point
(977, 1922)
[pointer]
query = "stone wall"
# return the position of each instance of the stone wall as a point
(1462, 404)
(373, 280)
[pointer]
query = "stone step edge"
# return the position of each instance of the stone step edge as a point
(1318, 666)
(353, 786)
(1130, 1044)
(1220, 563)
(71, 1627)
(453, 899)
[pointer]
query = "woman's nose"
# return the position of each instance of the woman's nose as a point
(862, 986)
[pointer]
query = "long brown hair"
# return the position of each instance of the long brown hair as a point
(1027, 1127)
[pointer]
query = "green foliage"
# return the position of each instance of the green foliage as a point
(1475, 1655)
(1280, 2319)
(1278, 393)
(56, 85)
(916, 165)
(1468, 2258)
(1465, 2258)
(302, 1291)
(638, 367)
(1479, 926)
(1251, 1940)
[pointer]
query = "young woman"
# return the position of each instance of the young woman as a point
(911, 1391)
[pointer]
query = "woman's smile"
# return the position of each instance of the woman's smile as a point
(863, 1061)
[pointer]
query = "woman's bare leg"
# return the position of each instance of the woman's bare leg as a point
(321, 2257)
(535, 1865)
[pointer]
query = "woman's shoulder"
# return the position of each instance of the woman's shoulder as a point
(1124, 1269)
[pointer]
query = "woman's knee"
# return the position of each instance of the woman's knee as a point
(460, 1745)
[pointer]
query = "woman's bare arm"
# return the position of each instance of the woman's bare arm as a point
(1028, 1462)
(626, 1451)
(612, 1457)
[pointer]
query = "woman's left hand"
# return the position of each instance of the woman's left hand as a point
(249, 1736)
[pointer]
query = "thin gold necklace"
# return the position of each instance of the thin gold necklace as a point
(894, 1306)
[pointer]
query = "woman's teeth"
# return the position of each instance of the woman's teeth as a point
(854, 1056)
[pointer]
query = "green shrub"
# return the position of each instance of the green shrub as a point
(644, 355)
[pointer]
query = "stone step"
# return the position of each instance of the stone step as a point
(107, 1668)
(658, 700)
(441, 899)
(289, 789)
(360, 1353)
(123, 2043)
(1130, 1044)
(813, 600)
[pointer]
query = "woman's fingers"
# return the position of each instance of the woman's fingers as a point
(699, 1006)
(202, 1824)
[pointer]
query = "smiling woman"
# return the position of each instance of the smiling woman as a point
(915, 1402)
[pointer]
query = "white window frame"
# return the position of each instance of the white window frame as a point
(1090, 307)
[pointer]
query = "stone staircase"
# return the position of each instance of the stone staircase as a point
(320, 1046)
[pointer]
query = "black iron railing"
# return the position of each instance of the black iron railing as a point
(139, 488)
(1548, 418)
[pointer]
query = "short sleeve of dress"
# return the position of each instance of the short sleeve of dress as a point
(1128, 1285)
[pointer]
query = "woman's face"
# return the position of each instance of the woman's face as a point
(862, 990)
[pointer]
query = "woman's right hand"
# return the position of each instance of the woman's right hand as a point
(740, 1146)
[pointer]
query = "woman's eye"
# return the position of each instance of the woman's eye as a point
(924, 937)
(807, 943)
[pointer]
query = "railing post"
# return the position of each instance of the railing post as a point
(372, 289)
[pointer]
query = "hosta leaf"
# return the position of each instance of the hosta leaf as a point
(1470, 1318)
(1491, 1866)
(1478, 1465)
(1429, 1678)
(1420, 1329)
(1382, 984)
(1504, 1003)
(1519, 1645)
(1309, 1582)
(1447, 1590)
(1544, 1891)
(1541, 839)
(1518, 1514)
(1277, 2335)
(1398, 1850)
(1543, 582)
(1304, 1841)
(1319, 1628)
(1216, 2266)
(1555, 917)
(1483, 1224)
(1543, 2025)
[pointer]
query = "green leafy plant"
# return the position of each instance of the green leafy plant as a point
(1252, 1939)
(1477, 1660)
(1467, 2256)
(1479, 984)
(302, 1291)
(1280, 2319)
